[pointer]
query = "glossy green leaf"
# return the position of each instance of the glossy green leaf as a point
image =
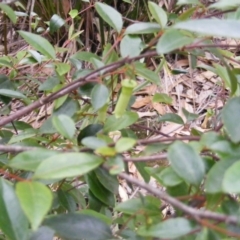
(66, 200)
(186, 162)
(230, 118)
(93, 142)
(158, 13)
(64, 125)
(35, 55)
(169, 177)
(171, 117)
(13, 222)
(99, 191)
(9, 12)
(171, 40)
(39, 43)
(43, 232)
(231, 179)
(147, 204)
(11, 93)
(89, 131)
(131, 46)
(225, 28)
(109, 181)
(30, 160)
(67, 165)
(56, 22)
(78, 226)
(113, 123)
(100, 216)
(35, 199)
(99, 96)
(125, 144)
(143, 28)
(110, 16)
(170, 229)
(162, 98)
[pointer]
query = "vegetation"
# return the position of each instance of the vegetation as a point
(120, 120)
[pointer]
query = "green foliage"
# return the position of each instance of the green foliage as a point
(77, 159)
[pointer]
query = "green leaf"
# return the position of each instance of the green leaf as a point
(67, 165)
(56, 22)
(158, 13)
(64, 125)
(93, 142)
(39, 43)
(131, 46)
(230, 118)
(35, 199)
(113, 123)
(147, 204)
(169, 177)
(43, 233)
(162, 97)
(101, 217)
(13, 222)
(89, 131)
(11, 93)
(171, 40)
(110, 182)
(106, 151)
(62, 68)
(141, 168)
(110, 16)
(225, 4)
(35, 55)
(9, 12)
(84, 56)
(231, 179)
(30, 160)
(125, 144)
(99, 96)
(78, 226)
(99, 191)
(171, 117)
(186, 162)
(170, 229)
(143, 28)
(148, 74)
(225, 28)
(189, 116)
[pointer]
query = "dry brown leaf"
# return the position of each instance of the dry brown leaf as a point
(141, 101)
(160, 108)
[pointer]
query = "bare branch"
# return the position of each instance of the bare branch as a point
(91, 77)
(195, 213)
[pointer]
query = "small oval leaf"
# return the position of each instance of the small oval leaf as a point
(64, 125)
(186, 162)
(110, 16)
(99, 96)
